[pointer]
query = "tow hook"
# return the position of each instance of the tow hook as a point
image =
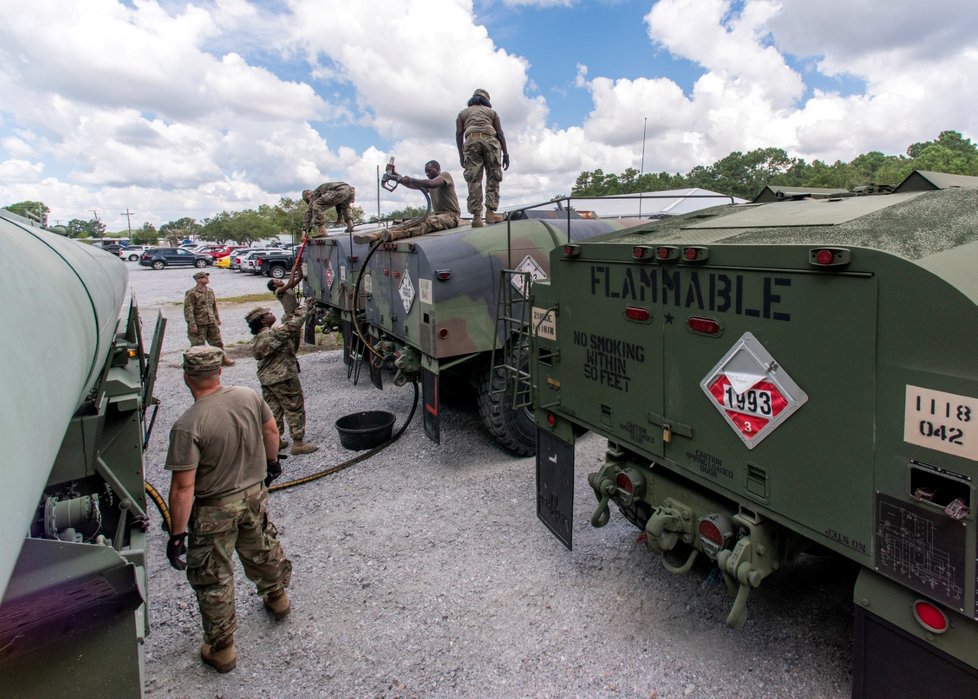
(604, 488)
(408, 365)
(740, 573)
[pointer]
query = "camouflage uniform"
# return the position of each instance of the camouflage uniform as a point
(278, 373)
(220, 438)
(444, 213)
(289, 305)
(338, 194)
(216, 532)
(200, 309)
(482, 153)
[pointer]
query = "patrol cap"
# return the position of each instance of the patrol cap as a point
(481, 93)
(202, 359)
(256, 313)
(198, 275)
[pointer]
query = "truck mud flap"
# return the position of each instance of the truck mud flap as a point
(346, 329)
(429, 396)
(889, 662)
(310, 334)
(376, 369)
(555, 486)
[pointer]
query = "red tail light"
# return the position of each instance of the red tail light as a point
(623, 481)
(572, 250)
(930, 616)
(551, 419)
(637, 314)
(705, 326)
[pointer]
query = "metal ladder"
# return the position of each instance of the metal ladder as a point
(512, 337)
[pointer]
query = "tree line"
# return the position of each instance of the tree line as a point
(740, 174)
(746, 174)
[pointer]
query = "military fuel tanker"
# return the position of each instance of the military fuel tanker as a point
(432, 304)
(783, 377)
(76, 386)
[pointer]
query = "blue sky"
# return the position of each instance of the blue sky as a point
(175, 109)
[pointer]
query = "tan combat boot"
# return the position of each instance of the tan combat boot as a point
(278, 604)
(300, 447)
(349, 226)
(493, 217)
(221, 659)
(227, 361)
(477, 220)
(283, 444)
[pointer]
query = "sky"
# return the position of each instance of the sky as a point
(171, 109)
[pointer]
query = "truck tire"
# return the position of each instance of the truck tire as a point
(277, 272)
(513, 428)
(159, 264)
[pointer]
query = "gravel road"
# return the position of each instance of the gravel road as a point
(423, 571)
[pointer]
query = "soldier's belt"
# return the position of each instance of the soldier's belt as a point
(236, 496)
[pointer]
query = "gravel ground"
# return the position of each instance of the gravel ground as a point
(423, 571)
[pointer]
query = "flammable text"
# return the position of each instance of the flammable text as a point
(717, 292)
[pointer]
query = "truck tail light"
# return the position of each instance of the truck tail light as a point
(930, 616)
(716, 532)
(643, 252)
(695, 254)
(443, 275)
(624, 481)
(551, 419)
(572, 250)
(703, 326)
(829, 257)
(640, 315)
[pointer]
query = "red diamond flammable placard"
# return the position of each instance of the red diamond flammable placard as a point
(752, 392)
(329, 274)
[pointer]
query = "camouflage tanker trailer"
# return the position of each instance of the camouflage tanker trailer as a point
(332, 265)
(73, 614)
(431, 306)
(777, 377)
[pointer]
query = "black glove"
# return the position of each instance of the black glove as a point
(176, 547)
(505, 161)
(274, 470)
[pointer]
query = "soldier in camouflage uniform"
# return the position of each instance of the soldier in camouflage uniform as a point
(200, 312)
(222, 452)
(444, 207)
(481, 143)
(325, 196)
(278, 373)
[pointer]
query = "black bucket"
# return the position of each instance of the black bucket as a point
(365, 430)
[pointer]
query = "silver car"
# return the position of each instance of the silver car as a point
(246, 260)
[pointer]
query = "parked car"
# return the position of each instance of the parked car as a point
(132, 253)
(112, 248)
(223, 262)
(222, 251)
(158, 258)
(247, 263)
(275, 264)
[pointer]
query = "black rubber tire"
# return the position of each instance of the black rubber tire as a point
(513, 428)
(277, 272)
(159, 264)
(200, 264)
(133, 258)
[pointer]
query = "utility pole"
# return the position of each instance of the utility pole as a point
(645, 123)
(378, 195)
(128, 214)
(95, 214)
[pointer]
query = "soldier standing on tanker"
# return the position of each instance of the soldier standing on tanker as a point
(480, 140)
(203, 320)
(223, 452)
(444, 207)
(278, 373)
(325, 196)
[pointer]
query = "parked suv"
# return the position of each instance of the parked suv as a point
(275, 264)
(247, 260)
(158, 258)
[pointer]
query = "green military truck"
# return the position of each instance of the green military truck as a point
(77, 384)
(785, 377)
(447, 309)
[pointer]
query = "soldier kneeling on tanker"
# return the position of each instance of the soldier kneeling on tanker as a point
(321, 199)
(278, 372)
